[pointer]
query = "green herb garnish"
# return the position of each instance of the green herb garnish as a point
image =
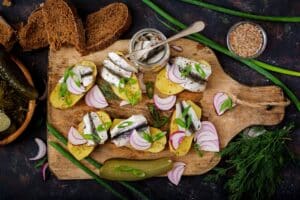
(133, 99)
(40, 162)
(254, 164)
(134, 171)
(107, 91)
(200, 71)
(186, 71)
(147, 136)
(197, 149)
(125, 124)
(158, 119)
(104, 127)
(188, 119)
(94, 137)
(226, 105)
(180, 122)
(149, 89)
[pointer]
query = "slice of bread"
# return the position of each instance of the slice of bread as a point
(33, 35)
(63, 25)
(7, 34)
(106, 25)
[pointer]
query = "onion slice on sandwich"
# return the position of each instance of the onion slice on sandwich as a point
(175, 174)
(138, 142)
(164, 103)
(207, 137)
(174, 74)
(75, 138)
(95, 98)
(176, 138)
(73, 87)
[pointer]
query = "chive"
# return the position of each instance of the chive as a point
(242, 14)
(125, 124)
(71, 158)
(253, 65)
(93, 162)
(104, 127)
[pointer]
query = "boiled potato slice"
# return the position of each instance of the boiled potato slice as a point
(131, 92)
(186, 144)
(61, 102)
(82, 151)
(165, 86)
(157, 146)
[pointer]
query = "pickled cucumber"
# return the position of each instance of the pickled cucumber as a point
(132, 170)
(10, 72)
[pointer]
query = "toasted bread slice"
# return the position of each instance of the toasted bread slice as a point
(33, 34)
(7, 34)
(63, 25)
(106, 26)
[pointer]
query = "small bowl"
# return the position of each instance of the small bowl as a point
(31, 107)
(264, 37)
(153, 66)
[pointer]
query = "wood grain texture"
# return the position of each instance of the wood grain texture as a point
(227, 125)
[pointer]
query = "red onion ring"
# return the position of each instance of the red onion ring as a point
(176, 138)
(73, 88)
(75, 138)
(174, 74)
(164, 103)
(95, 98)
(176, 173)
(219, 99)
(42, 149)
(137, 142)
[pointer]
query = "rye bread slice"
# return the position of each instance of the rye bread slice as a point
(7, 34)
(63, 26)
(106, 25)
(33, 34)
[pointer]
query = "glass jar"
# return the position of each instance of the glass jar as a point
(146, 36)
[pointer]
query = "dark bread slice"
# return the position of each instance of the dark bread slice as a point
(106, 26)
(7, 34)
(33, 35)
(63, 25)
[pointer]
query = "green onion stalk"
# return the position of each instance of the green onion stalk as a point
(253, 64)
(242, 14)
(93, 162)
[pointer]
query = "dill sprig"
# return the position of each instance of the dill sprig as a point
(253, 164)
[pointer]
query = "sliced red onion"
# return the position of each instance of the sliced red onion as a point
(219, 99)
(41, 151)
(164, 103)
(124, 103)
(44, 170)
(175, 174)
(207, 137)
(75, 138)
(73, 88)
(138, 142)
(175, 75)
(141, 82)
(176, 138)
(95, 98)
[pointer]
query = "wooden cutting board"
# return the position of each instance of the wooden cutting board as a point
(227, 125)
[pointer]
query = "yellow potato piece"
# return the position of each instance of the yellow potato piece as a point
(82, 151)
(60, 102)
(165, 86)
(186, 144)
(157, 146)
(132, 90)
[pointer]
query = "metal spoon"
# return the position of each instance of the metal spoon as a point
(194, 28)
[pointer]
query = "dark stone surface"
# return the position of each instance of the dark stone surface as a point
(18, 177)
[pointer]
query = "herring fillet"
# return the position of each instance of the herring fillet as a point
(110, 77)
(97, 122)
(117, 69)
(88, 130)
(118, 60)
(135, 121)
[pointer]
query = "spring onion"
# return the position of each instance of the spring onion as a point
(93, 162)
(206, 41)
(242, 14)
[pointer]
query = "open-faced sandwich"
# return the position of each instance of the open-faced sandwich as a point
(183, 74)
(136, 133)
(76, 81)
(93, 130)
(120, 74)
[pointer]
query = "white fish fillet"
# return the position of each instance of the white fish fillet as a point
(88, 130)
(118, 60)
(111, 78)
(122, 140)
(97, 121)
(193, 86)
(118, 70)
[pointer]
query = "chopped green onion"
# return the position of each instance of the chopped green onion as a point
(125, 124)
(104, 127)
(226, 105)
(200, 38)
(200, 71)
(242, 14)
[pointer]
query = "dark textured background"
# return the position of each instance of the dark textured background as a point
(19, 178)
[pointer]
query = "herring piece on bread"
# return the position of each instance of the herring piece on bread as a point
(33, 34)
(7, 34)
(63, 25)
(106, 25)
